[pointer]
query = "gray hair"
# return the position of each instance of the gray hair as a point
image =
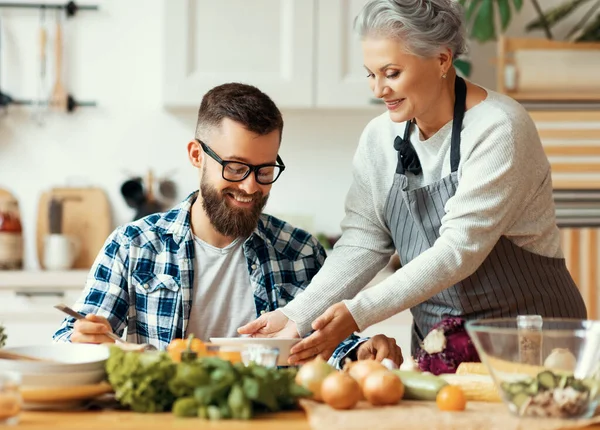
(425, 26)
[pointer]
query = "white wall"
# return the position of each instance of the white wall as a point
(114, 57)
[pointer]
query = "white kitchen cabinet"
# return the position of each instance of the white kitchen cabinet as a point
(266, 43)
(341, 76)
(27, 302)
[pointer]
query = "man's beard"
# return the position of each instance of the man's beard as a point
(231, 221)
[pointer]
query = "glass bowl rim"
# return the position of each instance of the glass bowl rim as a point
(584, 326)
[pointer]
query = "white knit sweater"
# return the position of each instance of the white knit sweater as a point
(505, 189)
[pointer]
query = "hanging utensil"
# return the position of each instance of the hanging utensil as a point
(42, 96)
(59, 93)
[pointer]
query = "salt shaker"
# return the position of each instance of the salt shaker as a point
(530, 339)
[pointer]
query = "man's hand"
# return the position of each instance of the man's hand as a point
(378, 348)
(91, 330)
(271, 324)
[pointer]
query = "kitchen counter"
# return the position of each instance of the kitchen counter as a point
(117, 420)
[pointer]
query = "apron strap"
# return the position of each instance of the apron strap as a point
(460, 98)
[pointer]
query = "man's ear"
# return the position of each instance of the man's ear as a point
(195, 153)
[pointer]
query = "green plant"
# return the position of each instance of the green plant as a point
(481, 16)
(481, 22)
(586, 30)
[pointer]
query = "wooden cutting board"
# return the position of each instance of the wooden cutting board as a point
(86, 215)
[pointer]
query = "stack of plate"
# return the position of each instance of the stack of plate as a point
(71, 374)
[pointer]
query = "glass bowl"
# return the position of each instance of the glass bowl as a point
(542, 367)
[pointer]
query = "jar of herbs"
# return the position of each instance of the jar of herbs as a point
(11, 234)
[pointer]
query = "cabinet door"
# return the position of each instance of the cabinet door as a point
(266, 43)
(29, 316)
(341, 76)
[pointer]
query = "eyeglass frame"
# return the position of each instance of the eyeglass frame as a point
(251, 168)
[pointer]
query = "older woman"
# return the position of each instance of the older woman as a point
(454, 178)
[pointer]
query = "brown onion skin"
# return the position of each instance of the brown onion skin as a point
(359, 370)
(340, 391)
(383, 388)
(311, 376)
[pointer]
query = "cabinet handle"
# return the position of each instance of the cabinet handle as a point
(30, 294)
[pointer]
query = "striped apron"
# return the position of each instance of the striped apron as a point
(511, 281)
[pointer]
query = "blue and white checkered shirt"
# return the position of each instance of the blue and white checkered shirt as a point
(143, 278)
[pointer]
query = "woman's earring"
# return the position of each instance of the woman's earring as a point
(444, 75)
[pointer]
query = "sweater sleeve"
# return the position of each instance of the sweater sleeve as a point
(363, 249)
(500, 174)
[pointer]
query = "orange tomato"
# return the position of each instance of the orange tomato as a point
(451, 398)
(177, 346)
(233, 356)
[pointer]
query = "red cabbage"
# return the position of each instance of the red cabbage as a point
(445, 347)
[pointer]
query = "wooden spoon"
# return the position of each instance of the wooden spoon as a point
(59, 93)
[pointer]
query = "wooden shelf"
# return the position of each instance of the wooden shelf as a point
(43, 279)
(557, 96)
(565, 115)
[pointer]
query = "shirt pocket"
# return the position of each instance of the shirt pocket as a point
(156, 302)
(287, 291)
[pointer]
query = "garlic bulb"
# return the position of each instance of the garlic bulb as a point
(562, 359)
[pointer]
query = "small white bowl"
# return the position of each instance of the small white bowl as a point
(282, 344)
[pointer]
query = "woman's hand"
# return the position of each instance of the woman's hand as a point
(335, 325)
(271, 324)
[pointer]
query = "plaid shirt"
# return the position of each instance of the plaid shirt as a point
(143, 278)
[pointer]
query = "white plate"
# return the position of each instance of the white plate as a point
(68, 357)
(282, 344)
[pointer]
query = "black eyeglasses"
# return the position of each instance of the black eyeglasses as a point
(236, 171)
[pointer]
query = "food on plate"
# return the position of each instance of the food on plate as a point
(550, 395)
(383, 387)
(180, 349)
(420, 386)
(445, 347)
(311, 376)
(340, 391)
(479, 388)
(451, 398)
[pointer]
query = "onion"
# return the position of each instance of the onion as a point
(562, 359)
(340, 391)
(359, 370)
(311, 376)
(383, 388)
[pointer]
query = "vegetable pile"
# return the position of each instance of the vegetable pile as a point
(445, 347)
(380, 386)
(206, 387)
(550, 395)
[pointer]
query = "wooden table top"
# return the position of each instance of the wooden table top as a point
(117, 420)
